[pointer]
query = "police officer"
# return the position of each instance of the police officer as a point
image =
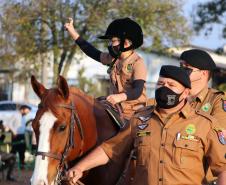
(127, 69)
(200, 65)
(8, 159)
(171, 140)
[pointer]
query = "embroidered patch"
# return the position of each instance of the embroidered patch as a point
(221, 133)
(143, 133)
(190, 129)
(206, 107)
(224, 105)
(142, 126)
(129, 68)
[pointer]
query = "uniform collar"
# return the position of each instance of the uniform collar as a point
(184, 112)
(201, 96)
(129, 57)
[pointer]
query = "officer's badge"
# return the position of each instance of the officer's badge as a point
(129, 68)
(206, 107)
(190, 129)
(142, 126)
(224, 105)
(221, 133)
(143, 133)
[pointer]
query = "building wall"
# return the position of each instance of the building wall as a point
(96, 70)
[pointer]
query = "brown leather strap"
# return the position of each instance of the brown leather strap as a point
(118, 107)
(48, 154)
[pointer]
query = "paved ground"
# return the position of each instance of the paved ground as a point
(22, 178)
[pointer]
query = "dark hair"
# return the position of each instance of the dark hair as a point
(25, 107)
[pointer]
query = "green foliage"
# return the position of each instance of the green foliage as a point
(210, 13)
(30, 28)
(222, 87)
(88, 85)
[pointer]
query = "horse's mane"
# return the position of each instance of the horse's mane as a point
(79, 92)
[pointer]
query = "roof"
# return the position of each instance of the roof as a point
(219, 59)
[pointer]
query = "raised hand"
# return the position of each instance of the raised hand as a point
(70, 28)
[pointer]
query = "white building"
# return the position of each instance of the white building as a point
(95, 70)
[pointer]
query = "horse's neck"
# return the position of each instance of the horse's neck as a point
(94, 118)
(105, 127)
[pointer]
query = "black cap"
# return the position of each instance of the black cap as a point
(199, 59)
(176, 73)
(125, 28)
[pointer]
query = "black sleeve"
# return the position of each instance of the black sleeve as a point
(136, 92)
(88, 49)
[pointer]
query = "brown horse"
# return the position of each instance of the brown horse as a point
(67, 126)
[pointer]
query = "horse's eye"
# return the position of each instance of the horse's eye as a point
(61, 128)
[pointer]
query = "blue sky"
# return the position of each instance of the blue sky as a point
(212, 41)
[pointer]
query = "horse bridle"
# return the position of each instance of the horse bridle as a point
(70, 141)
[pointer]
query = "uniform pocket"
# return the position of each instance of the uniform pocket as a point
(143, 149)
(187, 153)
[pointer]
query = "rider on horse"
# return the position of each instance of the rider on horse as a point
(126, 68)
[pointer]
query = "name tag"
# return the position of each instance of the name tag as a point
(143, 133)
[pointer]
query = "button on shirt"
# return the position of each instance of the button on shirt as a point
(171, 150)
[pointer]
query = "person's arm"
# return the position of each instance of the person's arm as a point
(222, 178)
(111, 149)
(88, 49)
(139, 79)
(85, 46)
(96, 158)
(215, 150)
(136, 91)
(133, 94)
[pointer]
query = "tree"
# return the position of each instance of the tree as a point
(89, 86)
(210, 13)
(37, 27)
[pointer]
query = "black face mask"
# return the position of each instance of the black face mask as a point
(166, 98)
(114, 51)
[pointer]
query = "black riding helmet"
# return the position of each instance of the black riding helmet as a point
(125, 28)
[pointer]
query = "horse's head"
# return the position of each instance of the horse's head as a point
(56, 127)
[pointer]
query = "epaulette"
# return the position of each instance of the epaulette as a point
(144, 113)
(213, 121)
(215, 91)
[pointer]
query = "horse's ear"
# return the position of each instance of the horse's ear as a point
(38, 88)
(63, 87)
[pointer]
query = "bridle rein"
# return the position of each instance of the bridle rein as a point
(70, 141)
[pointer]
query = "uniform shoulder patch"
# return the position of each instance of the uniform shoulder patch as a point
(224, 104)
(221, 133)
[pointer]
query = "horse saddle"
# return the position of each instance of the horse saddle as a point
(114, 111)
